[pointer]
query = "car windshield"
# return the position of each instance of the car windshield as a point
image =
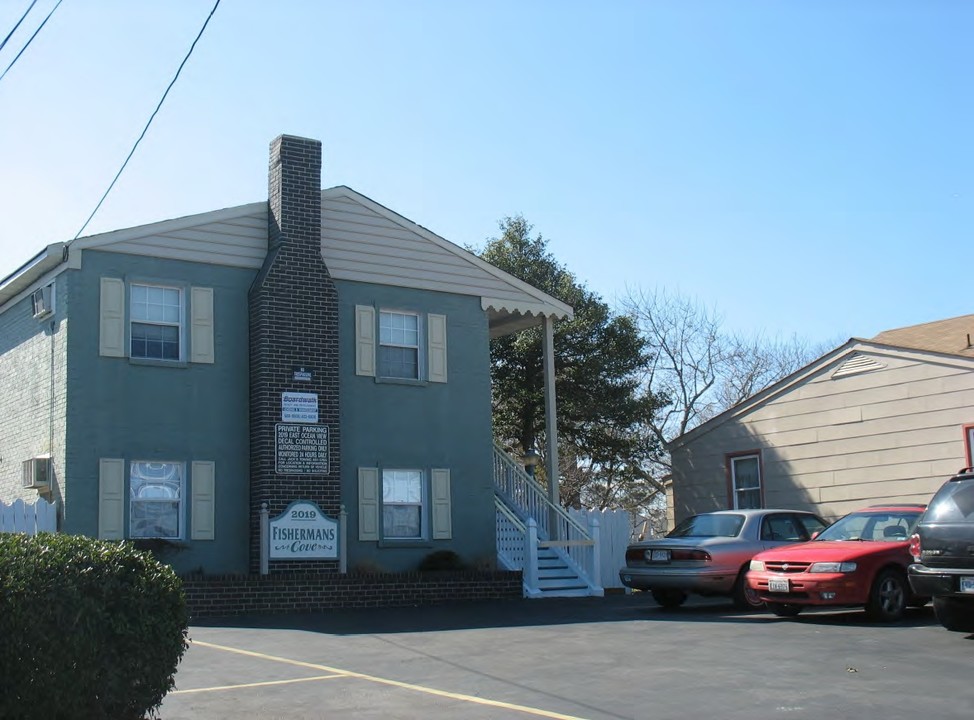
(884, 526)
(709, 526)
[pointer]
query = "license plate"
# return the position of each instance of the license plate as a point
(778, 585)
(660, 556)
(967, 584)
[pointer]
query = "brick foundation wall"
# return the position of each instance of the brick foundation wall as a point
(302, 592)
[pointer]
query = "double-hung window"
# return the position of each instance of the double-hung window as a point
(745, 472)
(398, 345)
(155, 499)
(403, 495)
(156, 322)
(409, 346)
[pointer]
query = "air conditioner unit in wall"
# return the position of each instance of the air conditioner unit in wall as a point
(43, 300)
(37, 472)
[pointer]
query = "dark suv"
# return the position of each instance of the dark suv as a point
(943, 551)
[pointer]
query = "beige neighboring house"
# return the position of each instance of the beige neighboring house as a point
(881, 420)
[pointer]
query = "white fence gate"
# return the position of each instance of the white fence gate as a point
(615, 529)
(21, 517)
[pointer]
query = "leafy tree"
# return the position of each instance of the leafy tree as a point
(599, 362)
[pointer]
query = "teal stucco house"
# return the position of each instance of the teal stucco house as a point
(168, 382)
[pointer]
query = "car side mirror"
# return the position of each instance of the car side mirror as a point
(815, 534)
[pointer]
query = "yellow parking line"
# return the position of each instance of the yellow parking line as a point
(251, 685)
(395, 683)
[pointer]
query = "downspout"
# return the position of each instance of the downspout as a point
(50, 433)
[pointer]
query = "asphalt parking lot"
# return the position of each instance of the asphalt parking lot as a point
(597, 658)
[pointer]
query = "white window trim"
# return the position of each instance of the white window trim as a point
(424, 509)
(421, 371)
(180, 513)
(738, 490)
(181, 324)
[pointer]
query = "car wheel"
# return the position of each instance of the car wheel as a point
(887, 598)
(784, 609)
(955, 615)
(669, 598)
(744, 597)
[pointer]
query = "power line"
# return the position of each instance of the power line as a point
(151, 118)
(31, 39)
(26, 13)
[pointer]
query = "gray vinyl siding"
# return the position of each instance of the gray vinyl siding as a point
(236, 242)
(33, 360)
(361, 245)
(889, 435)
(153, 412)
(387, 424)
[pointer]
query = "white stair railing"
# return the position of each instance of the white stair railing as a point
(522, 499)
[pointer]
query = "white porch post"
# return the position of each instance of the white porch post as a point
(551, 422)
(531, 555)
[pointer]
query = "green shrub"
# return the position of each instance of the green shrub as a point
(442, 560)
(90, 629)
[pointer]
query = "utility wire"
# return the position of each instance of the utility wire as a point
(31, 39)
(26, 13)
(151, 117)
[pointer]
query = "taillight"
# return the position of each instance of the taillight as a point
(691, 555)
(915, 549)
(635, 554)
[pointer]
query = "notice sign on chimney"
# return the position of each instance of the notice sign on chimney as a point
(298, 407)
(301, 449)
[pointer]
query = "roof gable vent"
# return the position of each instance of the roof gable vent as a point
(858, 364)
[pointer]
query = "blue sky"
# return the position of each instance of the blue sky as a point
(804, 168)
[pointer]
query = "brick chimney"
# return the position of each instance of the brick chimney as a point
(293, 349)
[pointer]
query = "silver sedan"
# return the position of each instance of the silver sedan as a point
(708, 554)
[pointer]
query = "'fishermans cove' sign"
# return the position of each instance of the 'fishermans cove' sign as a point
(303, 532)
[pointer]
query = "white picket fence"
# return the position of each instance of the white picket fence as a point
(615, 529)
(30, 518)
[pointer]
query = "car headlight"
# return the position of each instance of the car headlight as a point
(757, 565)
(832, 567)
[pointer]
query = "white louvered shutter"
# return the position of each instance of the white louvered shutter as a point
(442, 522)
(203, 508)
(201, 325)
(365, 340)
(111, 333)
(368, 503)
(436, 334)
(111, 499)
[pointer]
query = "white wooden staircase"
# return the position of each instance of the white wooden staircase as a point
(557, 555)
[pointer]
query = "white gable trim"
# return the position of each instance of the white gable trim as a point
(828, 361)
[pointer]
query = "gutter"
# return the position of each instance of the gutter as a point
(31, 271)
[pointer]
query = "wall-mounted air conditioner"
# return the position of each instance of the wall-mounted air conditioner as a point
(37, 472)
(43, 300)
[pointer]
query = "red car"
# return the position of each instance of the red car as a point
(860, 560)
